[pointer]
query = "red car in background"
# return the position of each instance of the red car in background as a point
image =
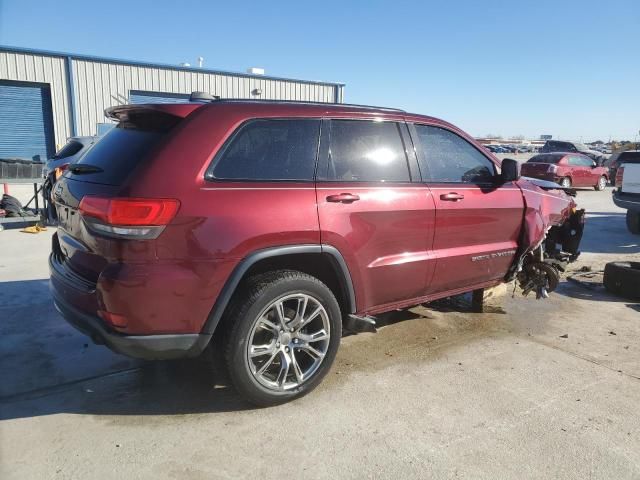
(567, 169)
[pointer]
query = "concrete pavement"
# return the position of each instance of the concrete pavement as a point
(436, 393)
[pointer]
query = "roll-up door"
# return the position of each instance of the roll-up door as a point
(26, 121)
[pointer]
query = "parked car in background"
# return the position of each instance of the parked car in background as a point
(627, 192)
(283, 221)
(72, 151)
(552, 146)
(614, 161)
(567, 169)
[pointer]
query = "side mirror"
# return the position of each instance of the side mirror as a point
(510, 170)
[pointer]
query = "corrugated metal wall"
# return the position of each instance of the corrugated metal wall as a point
(99, 85)
(24, 67)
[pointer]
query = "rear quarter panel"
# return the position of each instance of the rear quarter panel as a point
(218, 223)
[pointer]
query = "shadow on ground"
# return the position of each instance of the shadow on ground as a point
(607, 233)
(51, 368)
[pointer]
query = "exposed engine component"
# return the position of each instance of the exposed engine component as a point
(541, 268)
(541, 277)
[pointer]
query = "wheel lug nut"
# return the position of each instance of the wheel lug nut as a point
(286, 349)
(291, 330)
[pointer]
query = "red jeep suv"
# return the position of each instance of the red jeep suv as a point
(567, 169)
(272, 223)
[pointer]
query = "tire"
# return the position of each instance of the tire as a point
(633, 221)
(602, 183)
(565, 182)
(623, 278)
(253, 316)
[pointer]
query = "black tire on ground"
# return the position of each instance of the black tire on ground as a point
(633, 221)
(602, 183)
(258, 293)
(623, 278)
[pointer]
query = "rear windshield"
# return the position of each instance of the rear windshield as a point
(545, 159)
(629, 157)
(125, 147)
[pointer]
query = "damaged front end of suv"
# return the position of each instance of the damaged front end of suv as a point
(550, 238)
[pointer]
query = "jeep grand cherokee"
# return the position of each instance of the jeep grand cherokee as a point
(272, 223)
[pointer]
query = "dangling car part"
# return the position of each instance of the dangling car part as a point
(549, 241)
(541, 277)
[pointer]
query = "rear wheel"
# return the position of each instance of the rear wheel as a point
(565, 182)
(285, 332)
(633, 221)
(602, 183)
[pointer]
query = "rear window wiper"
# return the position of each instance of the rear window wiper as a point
(80, 168)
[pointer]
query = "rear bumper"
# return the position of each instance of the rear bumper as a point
(148, 347)
(629, 201)
(549, 177)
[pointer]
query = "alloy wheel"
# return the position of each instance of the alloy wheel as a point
(288, 341)
(602, 183)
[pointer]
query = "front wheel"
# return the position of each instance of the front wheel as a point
(284, 334)
(602, 183)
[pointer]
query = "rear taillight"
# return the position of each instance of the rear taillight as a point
(552, 168)
(619, 174)
(60, 170)
(140, 218)
(113, 319)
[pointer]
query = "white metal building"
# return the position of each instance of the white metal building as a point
(46, 97)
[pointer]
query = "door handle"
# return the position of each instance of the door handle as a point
(451, 197)
(343, 198)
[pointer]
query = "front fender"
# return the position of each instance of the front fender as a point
(543, 209)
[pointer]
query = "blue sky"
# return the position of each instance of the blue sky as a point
(567, 68)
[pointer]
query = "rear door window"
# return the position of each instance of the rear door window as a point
(580, 161)
(629, 157)
(449, 158)
(367, 151)
(545, 159)
(270, 150)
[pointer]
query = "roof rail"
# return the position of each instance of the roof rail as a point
(304, 102)
(203, 97)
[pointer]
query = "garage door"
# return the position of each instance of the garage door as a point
(138, 96)
(26, 121)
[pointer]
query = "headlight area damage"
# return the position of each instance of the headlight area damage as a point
(550, 238)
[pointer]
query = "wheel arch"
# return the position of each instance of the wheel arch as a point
(322, 261)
